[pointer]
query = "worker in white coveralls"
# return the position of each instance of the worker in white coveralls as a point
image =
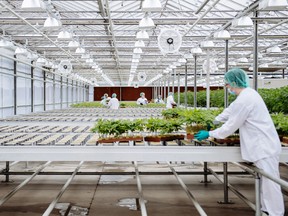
(114, 102)
(142, 100)
(259, 141)
(170, 103)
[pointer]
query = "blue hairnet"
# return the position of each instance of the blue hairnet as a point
(114, 95)
(237, 77)
(142, 93)
(170, 93)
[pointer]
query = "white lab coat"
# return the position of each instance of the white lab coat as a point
(170, 101)
(142, 101)
(113, 103)
(259, 142)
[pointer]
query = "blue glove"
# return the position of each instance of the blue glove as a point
(201, 135)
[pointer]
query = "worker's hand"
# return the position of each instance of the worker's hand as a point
(201, 135)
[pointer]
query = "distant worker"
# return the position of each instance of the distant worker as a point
(159, 100)
(259, 141)
(114, 102)
(104, 100)
(170, 101)
(142, 100)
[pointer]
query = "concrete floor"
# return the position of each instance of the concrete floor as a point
(102, 195)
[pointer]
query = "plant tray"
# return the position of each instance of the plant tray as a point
(285, 140)
(120, 139)
(163, 138)
(228, 141)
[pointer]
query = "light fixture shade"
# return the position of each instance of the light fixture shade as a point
(196, 50)
(6, 44)
(242, 22)
(142, 35)
(243, 60)
(73, 44)
(146, 23)
(64, 35)
(80, 50)
(20, 51)
(41, 61)
(89, 60)
(135, 60)
(32, 56)
(223, 34)
(274, 49)
(52, 23)
(207, 44)
(136, 56)
(139, 43)
(273, 4)
(151, 5)
(182, 60)
(33, 5)
(137, 51)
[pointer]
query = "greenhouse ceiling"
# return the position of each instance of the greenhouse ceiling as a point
(108, 52)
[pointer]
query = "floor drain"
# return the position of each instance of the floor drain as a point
(66, 209)
(131, 203)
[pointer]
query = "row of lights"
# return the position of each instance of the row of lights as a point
(146, 23)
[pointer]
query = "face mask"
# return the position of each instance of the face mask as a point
(231, 92)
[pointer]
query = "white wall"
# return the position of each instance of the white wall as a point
(23, 91)
(270, 83)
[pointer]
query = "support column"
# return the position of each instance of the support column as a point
(67, 92)
(195, 81)
(255, 51)
(15, 86)
(44, 90)
(185, 93)
(226, 103)
(32, 87)
(178, 100)
(54, 91)
(174, 74)
(61, 92)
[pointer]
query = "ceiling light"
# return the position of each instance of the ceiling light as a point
(73, 44)
(207, 44)
(273, 4)
(135, 60)
(196, 50)
(243, 60)
(52, 23)
(80, 50)
(142, 35)
(137, 50)
(32, 56)
(89, 60)
(20, 51)
(146, 23)
(64, 35)
(33, 5)
(136, 56)
(242, 22)
(274, 49)
(5, 43)
(182, 60)
(223, 34)
(85, 56)
(151, 5)
(139, 43)
(41, 60)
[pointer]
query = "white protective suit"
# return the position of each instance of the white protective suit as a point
(170, 101)
(142, 101)
(113, 103)
(259, 142)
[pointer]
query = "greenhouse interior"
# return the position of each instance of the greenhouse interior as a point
(144, 107)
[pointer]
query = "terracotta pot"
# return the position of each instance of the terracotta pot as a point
(190, 136)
